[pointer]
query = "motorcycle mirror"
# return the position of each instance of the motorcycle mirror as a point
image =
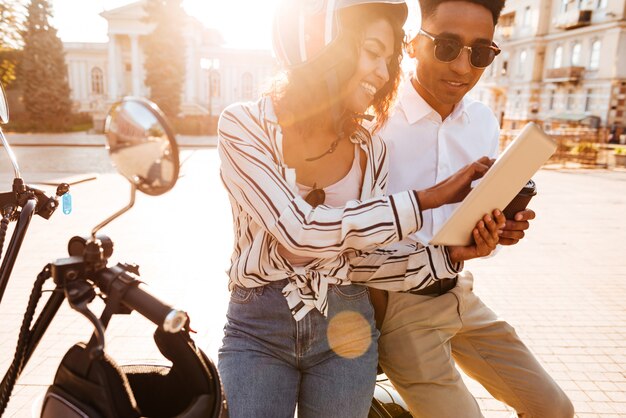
(4, 107)
(142, 145)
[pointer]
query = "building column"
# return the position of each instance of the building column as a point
(136, 70)
(112, 87)
(191, 76)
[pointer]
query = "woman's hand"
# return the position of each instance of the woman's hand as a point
(486, 236)
(456, 187)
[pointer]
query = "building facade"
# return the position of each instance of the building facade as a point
(102, 73)
(561, 60)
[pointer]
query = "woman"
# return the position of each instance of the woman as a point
(306, 186)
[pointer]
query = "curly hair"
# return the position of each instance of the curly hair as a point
(429, 7)
(301, 95)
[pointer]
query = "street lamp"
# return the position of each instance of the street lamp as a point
(211, 65)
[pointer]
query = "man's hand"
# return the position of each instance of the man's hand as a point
(514, 228)
(486, 236)
(456, 187)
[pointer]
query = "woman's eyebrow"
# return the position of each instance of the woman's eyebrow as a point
(380, 45)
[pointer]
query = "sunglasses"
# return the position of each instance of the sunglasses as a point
(315, 197)
(447, 50)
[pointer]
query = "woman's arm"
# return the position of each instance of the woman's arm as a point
(250, 173)
(410, 266)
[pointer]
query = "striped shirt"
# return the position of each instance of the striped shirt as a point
(268, 211)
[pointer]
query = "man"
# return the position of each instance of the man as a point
(434, 131)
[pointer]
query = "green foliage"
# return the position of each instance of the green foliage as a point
(78, 122)
(11, 26)
(9, 63)
(11, 23)
(195, 125)
(164, 51)
(585, 148)
(44, 72)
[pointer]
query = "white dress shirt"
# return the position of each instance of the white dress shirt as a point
(424, 150)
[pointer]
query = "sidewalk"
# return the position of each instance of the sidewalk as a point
(562, 288)
(83, 139)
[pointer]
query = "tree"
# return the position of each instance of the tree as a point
(11, 24)
(43, 71)
(164, 50)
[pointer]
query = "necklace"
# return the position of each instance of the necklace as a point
(330, 150)
(333, 145)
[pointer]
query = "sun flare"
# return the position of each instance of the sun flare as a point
(243, 23)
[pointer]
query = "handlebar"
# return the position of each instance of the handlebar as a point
(119, 278)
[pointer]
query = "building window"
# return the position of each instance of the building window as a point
(551, 100)
(594, 61)
(527, 16)
(97, 81)
(505, 67)
(558, 57)
(588, 100)
(576, 53)
(601, 4)
(564, 4)
(214, 84)
(521, 65)
(246, 86)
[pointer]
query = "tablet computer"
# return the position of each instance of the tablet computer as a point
(508, 175)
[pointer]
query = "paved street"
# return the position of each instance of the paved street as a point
(562, 288)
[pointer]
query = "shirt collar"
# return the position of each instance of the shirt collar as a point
(415, 108)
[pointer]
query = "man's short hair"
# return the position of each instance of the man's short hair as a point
(428, 7)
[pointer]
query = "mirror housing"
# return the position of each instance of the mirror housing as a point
(142, 145)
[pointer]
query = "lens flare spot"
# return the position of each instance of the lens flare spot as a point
(349, 334)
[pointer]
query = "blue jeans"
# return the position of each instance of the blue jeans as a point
(268, 362)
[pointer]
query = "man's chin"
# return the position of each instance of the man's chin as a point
(453, 98)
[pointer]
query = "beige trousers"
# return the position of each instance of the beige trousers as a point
(422, 338)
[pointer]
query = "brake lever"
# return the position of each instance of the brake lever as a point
(47, 205)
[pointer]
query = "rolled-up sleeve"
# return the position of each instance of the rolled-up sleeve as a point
(403, 267)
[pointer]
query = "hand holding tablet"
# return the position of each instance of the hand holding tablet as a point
(504, 180)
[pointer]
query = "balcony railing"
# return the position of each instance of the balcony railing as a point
(564, 74)
(573, 19)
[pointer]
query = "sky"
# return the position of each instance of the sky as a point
(243, 23)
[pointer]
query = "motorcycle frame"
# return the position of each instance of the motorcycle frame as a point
(26, 215)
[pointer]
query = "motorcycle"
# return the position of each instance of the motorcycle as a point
(88, 382)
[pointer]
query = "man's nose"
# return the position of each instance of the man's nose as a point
(461, 65)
